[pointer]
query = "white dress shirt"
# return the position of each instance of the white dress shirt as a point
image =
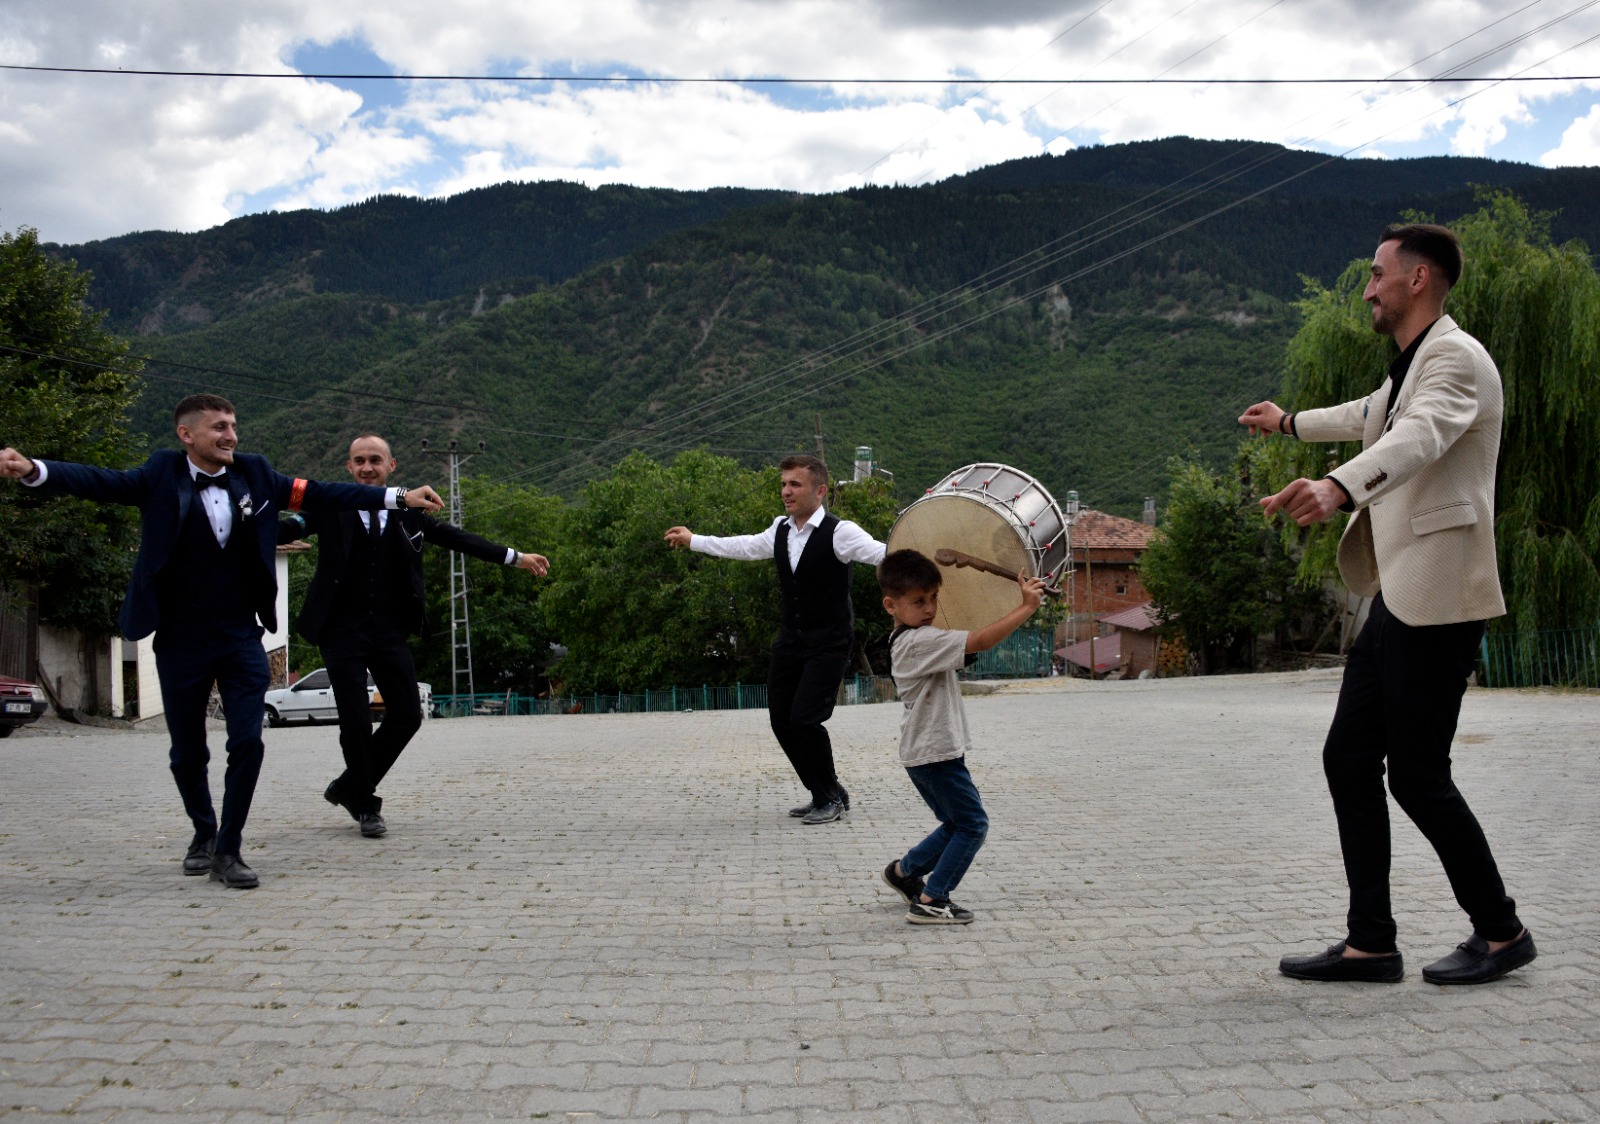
(215, 501)
(850, 542)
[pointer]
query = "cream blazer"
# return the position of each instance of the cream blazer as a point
(1423, 484)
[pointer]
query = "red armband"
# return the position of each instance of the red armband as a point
(297, 494)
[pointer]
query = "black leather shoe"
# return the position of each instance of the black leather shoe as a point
(824, 813)
(372, 825)
(331, 795)
(232, 873)
(1333, 965)
(803, 809)
(1473, 963)
(197, 860)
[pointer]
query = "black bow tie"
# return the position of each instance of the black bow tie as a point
(202, 481)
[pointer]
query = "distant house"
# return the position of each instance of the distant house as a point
(1106, 550)
(1103, 656)
(1142, 647)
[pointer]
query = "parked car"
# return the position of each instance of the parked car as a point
(311, 701)
(20, 703)
(424, 696)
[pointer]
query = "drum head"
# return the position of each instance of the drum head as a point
(969, 598)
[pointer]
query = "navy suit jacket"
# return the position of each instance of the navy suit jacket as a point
(404, 551)
(162, 490)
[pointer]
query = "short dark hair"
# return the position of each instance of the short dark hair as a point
(1437, 245)
(903, 571)
(198, 403)
(813, 465)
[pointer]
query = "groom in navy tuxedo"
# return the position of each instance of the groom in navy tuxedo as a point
(205, 582)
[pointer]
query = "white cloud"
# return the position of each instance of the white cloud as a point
(92, 156)
(1580, 143)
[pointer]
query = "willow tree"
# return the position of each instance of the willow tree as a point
(1536, 307)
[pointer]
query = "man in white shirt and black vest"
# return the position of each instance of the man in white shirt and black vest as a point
(812, 551)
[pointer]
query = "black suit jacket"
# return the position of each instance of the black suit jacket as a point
(162, 489)
(336, 531)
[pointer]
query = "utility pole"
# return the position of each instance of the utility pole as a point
(1073, 508)
(820, 457)
(460, 623)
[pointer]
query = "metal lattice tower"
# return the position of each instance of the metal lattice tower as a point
(460, 621)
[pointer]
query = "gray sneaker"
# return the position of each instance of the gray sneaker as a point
(942, 912)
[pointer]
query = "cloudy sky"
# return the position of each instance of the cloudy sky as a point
(897, 91)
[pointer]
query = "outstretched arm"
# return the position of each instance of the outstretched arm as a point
(982, 639)
(746, 548)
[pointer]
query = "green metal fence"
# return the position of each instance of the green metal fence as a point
(740, 696)
(1026, 653)
(1564, 657)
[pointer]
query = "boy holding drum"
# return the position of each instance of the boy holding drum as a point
(933, 734)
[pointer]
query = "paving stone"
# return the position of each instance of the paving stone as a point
(610, 917)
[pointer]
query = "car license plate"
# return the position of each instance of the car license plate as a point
(18, 708)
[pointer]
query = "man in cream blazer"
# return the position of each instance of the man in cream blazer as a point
(1421, 544)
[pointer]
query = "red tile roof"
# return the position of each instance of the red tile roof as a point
(1107, 653)
(1095, 530)
(1139, 618)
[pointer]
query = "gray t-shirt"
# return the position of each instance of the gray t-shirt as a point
(924, 662)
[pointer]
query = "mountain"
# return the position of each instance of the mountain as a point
(1082, 317)
(514, 237)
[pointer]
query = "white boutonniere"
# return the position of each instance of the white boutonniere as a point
(246, 508)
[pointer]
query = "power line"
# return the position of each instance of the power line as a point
(762, 80)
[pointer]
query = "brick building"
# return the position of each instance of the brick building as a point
(1105, 570)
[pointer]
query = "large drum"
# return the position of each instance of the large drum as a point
(989, 513)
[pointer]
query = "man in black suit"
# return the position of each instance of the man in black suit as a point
(364, 600)
(204, 577)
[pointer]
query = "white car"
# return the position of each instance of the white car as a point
(311, 700)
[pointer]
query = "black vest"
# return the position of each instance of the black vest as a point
(205, 585)
(816, 594)
(366, 595)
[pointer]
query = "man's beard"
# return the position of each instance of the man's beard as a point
(1382, 321)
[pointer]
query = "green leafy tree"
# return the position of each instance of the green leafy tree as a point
(66, 385)
(1536, 307)
(1218, 573)
(634, 614)
(510, 641)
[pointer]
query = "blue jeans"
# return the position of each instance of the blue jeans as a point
(944, 856)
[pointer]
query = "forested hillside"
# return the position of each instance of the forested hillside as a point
(1082, 317)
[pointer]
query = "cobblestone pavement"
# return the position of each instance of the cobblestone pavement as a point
(610, 917)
